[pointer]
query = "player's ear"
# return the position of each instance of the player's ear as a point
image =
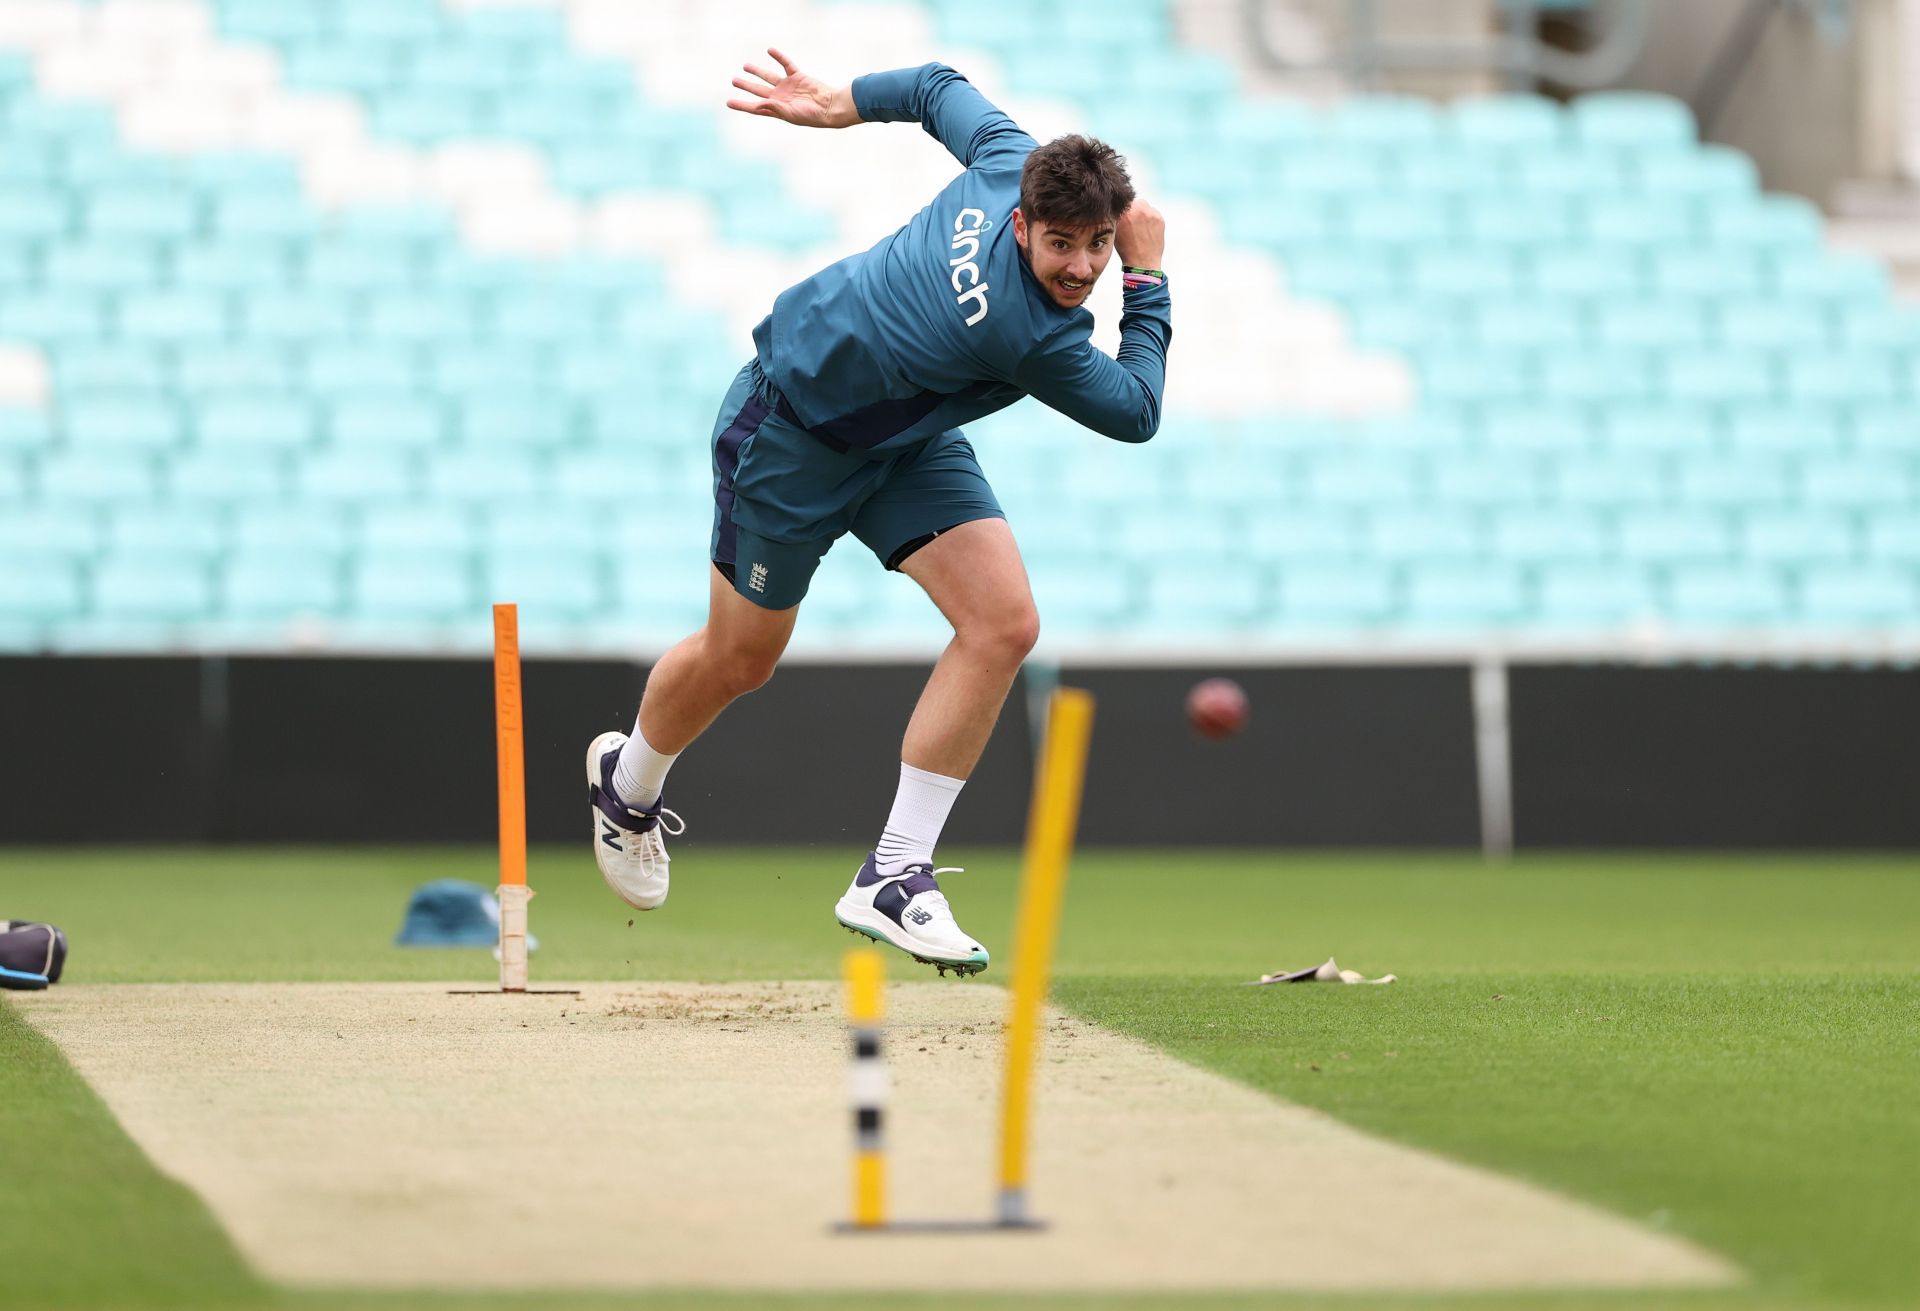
(1019, 228)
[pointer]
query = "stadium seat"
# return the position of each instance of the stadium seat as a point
(281, 584)
(152, 586)
(1876, 596)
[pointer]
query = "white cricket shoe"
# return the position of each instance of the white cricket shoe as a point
(627, 841)
(907, 910)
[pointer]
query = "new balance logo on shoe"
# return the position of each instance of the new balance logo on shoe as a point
(757, 579)
(919, 916)
(610, 835)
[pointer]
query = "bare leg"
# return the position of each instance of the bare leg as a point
(974, 574)
(734, 653)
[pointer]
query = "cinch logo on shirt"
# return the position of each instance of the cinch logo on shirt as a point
(967, 227)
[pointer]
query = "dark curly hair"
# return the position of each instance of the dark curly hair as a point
(1075, 182)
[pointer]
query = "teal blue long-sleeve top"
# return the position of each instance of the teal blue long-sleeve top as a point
(942, 322)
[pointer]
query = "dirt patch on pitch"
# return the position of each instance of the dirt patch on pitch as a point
(681, 1135)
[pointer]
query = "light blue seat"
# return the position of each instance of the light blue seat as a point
(1895, 326)
(1453, 172)
(1806, 430)
(1653, 323)
(1767, 223)
(1309, 170)
(1637, 120)
(382, 372)
(537, 523)
(1436, 430)
(1770, 323)
(94, 264)
(281, 584)
(1338, 271)
(68, 317)
(423, 529)
(1588, 271)
(409, 585)
(1725, 376)
(152, 586)
(1576, 172)
(1528, 535)
(24, 430)
(1408, 536)
(241, 172)
(1355, 595)
(518, 424)
(1792, 537)
(71, 123)
(1843, 375)
(1886, 428)
(1083, 595)
(1389, 220)
(411, 21)
(1707, 272)
(220, 476)
(1508, 122)
(66, 531)
(1737, 595)
(1156, 531)
(1546, 430)
(1363, 480)
(36, 214)
(1711, 173)
(1522, 322)
(38, 587)
(1648, 222)
(367, 263)
(593, 475)
(176, 318)
(110, 212)
(1594, 595)
(1597, 376)
(1309, 534)
(1671, 537)
(1749, 479)
(1660, 428)
(1454, 373)
(1399, 322)
(551, 585)
(1861, 595)
(233, 264)
(90, 164)
(1303, 222)
(270, 528)
(426, 319)
(498, 371)
(13, 481)
(1892, 535)
(1399, 122)
(80, 367)
(254, 368)
(1448, 595)
(122, 422)
(1489, 479)
(170, 530)
(299, 316)
(1863, 482)
(559, 119)
(396, 421)
(1200, 598)
(505, 475)
(357, 475)
(30, 165)
(249, 215)
(1839, 277)
(456, 64)
(1489, 271)
(255, 421)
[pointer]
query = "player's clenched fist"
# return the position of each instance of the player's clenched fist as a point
(1140, 237)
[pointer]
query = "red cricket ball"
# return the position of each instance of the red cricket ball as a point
(1217, 708)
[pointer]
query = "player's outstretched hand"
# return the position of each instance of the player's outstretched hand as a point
(795, 98)
(1140, 238)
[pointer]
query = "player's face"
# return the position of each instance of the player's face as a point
(1067, 261)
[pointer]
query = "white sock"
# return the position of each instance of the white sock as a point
(920, 810)
(641, 771)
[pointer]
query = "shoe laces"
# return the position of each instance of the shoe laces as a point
(937, 896)
(663, 815)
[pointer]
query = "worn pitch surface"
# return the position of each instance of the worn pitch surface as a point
(692, 1135)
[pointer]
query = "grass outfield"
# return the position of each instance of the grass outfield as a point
(1725, 1047)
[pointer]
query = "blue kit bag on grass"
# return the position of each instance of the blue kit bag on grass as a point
(452, 913)
(31, 954)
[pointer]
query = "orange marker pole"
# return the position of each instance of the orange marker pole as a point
(511, 753)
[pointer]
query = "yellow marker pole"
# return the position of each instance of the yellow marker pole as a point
(865, 972)
(1043, 885)
(511, 755)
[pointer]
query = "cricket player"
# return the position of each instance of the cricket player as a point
(848, 420)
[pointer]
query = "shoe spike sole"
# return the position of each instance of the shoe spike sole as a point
(965, 969)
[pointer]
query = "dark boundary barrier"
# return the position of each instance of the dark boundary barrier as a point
(282, 749)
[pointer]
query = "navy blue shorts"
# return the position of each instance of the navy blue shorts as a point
(782, 496)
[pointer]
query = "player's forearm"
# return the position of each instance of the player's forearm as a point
(841, 111)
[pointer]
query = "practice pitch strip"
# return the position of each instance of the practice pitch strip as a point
(681, 1135)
